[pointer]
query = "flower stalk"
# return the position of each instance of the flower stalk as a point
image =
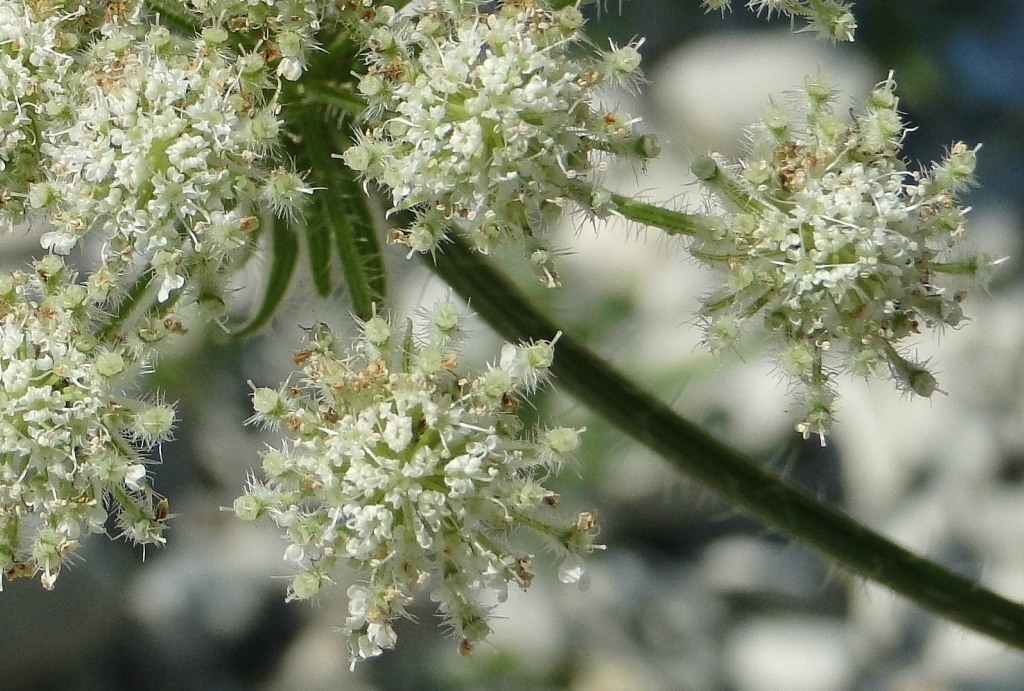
(672, 222)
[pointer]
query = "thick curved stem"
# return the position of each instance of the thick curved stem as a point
(718, 467)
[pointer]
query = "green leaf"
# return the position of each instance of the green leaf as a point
(318, 242)
(284, 256)
(340, 210)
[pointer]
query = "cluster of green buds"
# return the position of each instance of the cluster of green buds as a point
(835, 247)
(412, 474)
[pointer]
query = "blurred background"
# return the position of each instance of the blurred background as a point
(689, 595)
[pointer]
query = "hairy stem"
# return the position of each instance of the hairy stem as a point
(672, 222)
(718, 467)
(134, 295)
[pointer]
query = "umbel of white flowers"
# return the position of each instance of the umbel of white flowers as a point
(834, 247)
(69, 439)
(152, 143)
(413, 474)
(488, 122)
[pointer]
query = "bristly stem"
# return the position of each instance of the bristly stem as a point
(134, 295)
(718, 467)
(672, 222)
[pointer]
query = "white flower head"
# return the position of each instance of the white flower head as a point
(836, 247)
(69, 439)
(155, 144)
(486, 120)
(409, 473)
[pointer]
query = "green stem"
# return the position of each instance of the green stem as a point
(711, 175)
(672, 222)
(720, 468)
(127, 503)
(971, 266)
(133, 295)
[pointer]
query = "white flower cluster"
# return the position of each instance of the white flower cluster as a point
(486, 121)
(831, 19)
(33, 74)
(411, 474)
(835, 247)
(158, 145)
(68, 438)
(285, 30)
(154, 142)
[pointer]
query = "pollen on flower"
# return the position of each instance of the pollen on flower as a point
(408, 473)
(833, 245)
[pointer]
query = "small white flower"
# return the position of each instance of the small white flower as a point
(486, 119)
(572, 570)
(135, 476)
(290, 68)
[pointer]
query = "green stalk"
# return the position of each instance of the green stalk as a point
(718, 467)
(970, 266)
(672, 222)
(711, 175)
